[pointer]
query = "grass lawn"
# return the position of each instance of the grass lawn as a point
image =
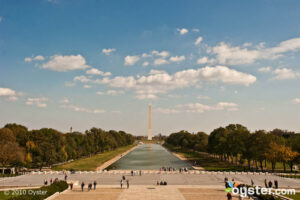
(91, 163)
(213, 164)
(290, 176)
(295, 197)
(206, 161)
(209, 163)
(3, 196)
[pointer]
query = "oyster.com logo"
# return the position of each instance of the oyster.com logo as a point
(230, 186)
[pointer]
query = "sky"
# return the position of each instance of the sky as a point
(200, 64)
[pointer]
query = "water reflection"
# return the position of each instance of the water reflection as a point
(150, 157)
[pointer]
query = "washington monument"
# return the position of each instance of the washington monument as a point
(149, 124)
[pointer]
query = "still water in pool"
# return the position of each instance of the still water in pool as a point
(149, 157)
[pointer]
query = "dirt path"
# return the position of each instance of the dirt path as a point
(111, 161)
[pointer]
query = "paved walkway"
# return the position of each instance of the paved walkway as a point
(98, 194)
(146, 192)
(151, 179)
(151, 193)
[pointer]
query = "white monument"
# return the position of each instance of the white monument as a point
(149, 124)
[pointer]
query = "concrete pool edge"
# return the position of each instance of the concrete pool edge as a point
(114, 159)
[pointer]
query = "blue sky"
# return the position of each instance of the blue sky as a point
(201, 64)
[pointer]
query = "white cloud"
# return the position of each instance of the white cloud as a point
(163, 54)
(65, 101)
(203, 60)
(131, 60)
(108, 51)
(182, 31)
(82, 79)
(265, 69)
(177, 58)
(195, 30)
(38, 102)
(28, 59)
(236, 55)
(166, 110)
(153, 72)
(114, 92)
(1, 19)
(7, 92)
(159, 82)
(198, 41)
(110, 92)
(87, 86)
(160, 61)
(145, 64)
(70, 84)
(199, 108)
(285, 73)
(247, 44)
(94, 71)
(296, 100)
(146, 96)
(202, 97)
(39, 57)
(36, 58)
(10, 94)
(145, 55)
(82, 109)
(13, 98)
(62, 63)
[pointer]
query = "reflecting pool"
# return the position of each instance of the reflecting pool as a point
(149, 157)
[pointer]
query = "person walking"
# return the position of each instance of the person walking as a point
(127, 181)
(90, 187)
(226, 184)
(276, 184)
(82, 186)
(95, 184)
(66, 177)
(71, 185)
(252, 182)
(270, 184)
(229, 196)
(266, 183)
(121, 183)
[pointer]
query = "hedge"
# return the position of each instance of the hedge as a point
(58, 186)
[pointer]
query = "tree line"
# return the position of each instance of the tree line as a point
(45, 147)
(235, 143)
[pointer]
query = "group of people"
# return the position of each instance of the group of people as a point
(167, 169)
(133, 173)
(90, 185)
(270, 184)
(122, 182)
(162, 183)
(51, 181)
(183, 169)
(228, 183)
